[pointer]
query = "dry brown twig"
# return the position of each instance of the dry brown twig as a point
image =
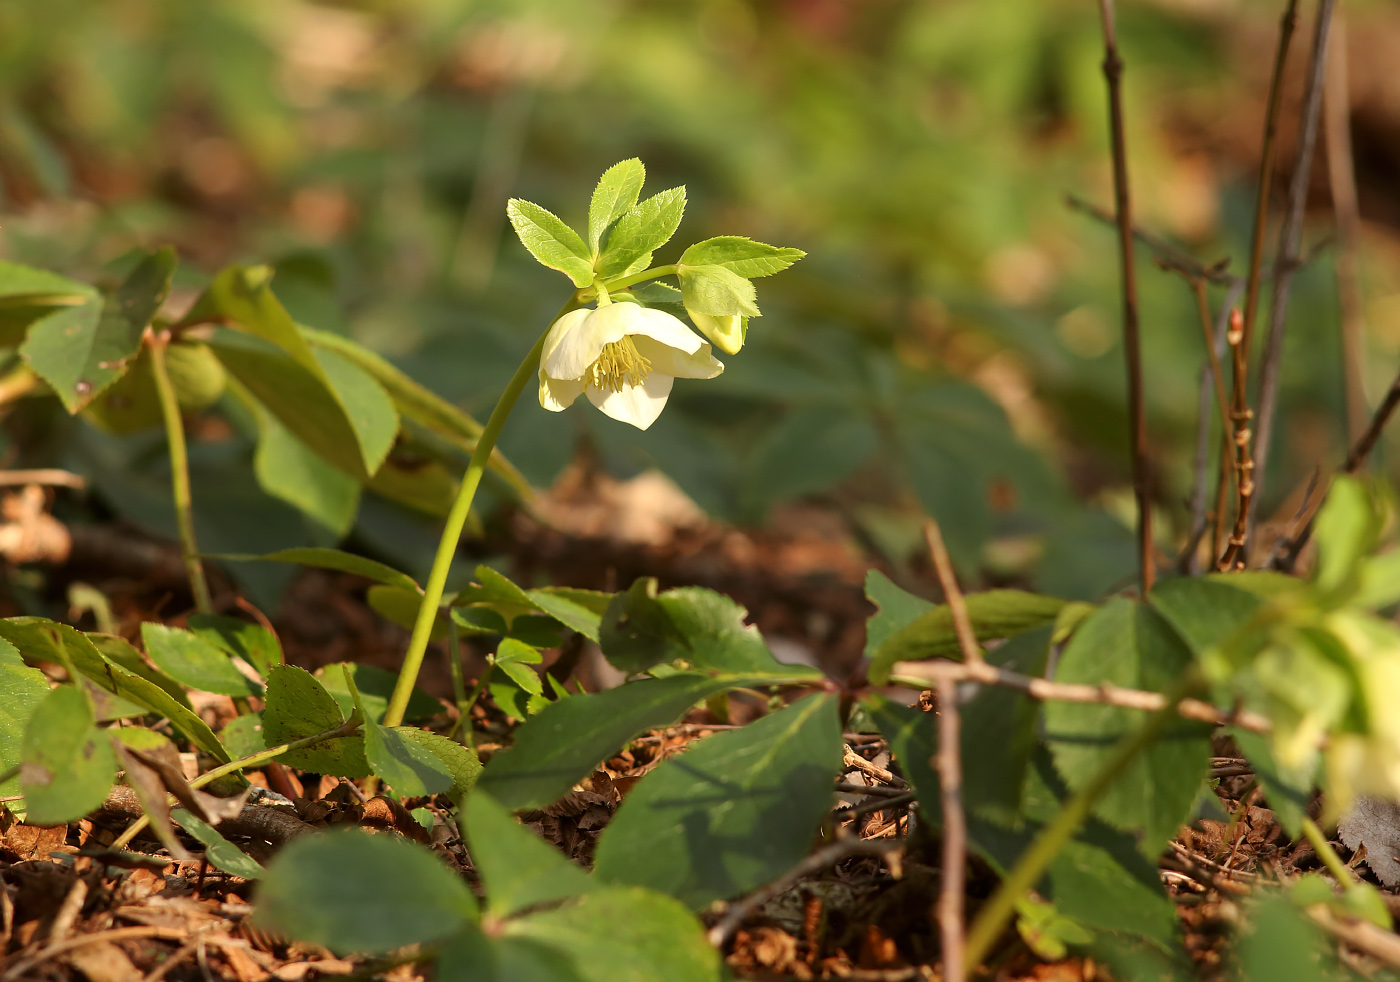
(1240, 417)
(948, 760)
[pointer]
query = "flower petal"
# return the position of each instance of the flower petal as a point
(635, 404)
(558, 394)
(666, 328)
(577, 338)
(666, 360)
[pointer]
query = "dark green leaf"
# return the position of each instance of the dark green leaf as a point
(221, 853)
(66, 764)
(354, 892)
(1282, 944)
(410, 768)
(243, 735)
(995, 614)
(461, 762)
(82, 350)
(735, 811)
(623, 934)
(119, 651)
(563, 743)
(291, 471)
(26, 294)
(1205, 611)
(470, 956)
(578, 610)
(199, 664)
(253, 643)
(298, 707)
(1288, 791)
(1129, 644)
(895, 609)
(345, 562)
(518, 868)
(401, 606)
(999, 731)
(21, 690)
(1346, 530)
(39, 639)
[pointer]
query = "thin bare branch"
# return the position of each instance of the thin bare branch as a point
(1290, 240)
(950, 895)
(1132, 344)
(1166, 254)
(930, 673)
(948, 581)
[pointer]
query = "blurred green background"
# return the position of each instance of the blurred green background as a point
(950, 344)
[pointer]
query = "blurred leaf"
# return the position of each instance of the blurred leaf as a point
(66, 764)
(1127, 643)
(470, 956)
(82, 350)
(132, 402)
(809, 450)
(195, 661)
(401, 605)
(643, 229)
(356, 892)
(562, 744)
(43, 640)
(735, 811)
(998, 731)
(345, 562)
(1346, 530)
(740, 255)
(690, 628)
(290, 470)
(461, 762)
(297, 706)
(376, 685)
(1046, 931)
(221, 853)
(26, 294)
(243, 735)
(422, 484)
(895, 609)
(1282, 944)
(409, 768)
(1287, 791)
(615, 195)
(550, 241)
(253, 643)
(518, 869)
(994, 614)
(621, 934)
(578, 610)
(21, 690)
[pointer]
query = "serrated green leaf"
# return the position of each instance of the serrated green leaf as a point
(408, 767)
(717, 291)
(735, 811)
(895, 609)
(66, 764)
(689, 628)
(82, 350)
(518, 869)
(355, 892)
(741, 255)
(615, 195)
(461, 762)
(550, 241)
(376, 686)
(994, 614)
(1127, 643)
(194, 661)
(298, 706)
(253, 643)
(120, 651)
(221, 853)
(243, 735)
(39, 639)
(575, 609)
(336, 559)
(21, 690)
(27, 294)
(642, 230)
(567, 739)
(623, 935)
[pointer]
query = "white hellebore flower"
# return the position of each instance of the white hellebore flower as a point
(623, 357)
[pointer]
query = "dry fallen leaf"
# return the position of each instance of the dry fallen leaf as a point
(1375, 824)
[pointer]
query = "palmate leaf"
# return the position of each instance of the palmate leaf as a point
(83, 349)
(734, 812)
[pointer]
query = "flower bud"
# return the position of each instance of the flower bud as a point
(725, 333)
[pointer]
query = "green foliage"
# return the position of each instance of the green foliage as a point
(1129, 644)
(641, 230)
(66, 764)
(735, 811)
(82, 350)
(253, 643)
(21, 690)
(375, 685)
(550, 241)
(461, 762)
(355, 892)
(741, 256)
(518, 868)
(221, 853)
(615, 195)
(345, 562)
(298, 706)
(194, 661)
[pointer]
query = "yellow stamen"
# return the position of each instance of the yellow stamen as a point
(619, 364)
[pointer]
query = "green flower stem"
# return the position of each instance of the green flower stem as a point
(1327, 854)
(623, 282)
(179, 472)
(253, 760)
(456, 520)
(995, 913)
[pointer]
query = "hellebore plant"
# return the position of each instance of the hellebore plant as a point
(611, 341)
